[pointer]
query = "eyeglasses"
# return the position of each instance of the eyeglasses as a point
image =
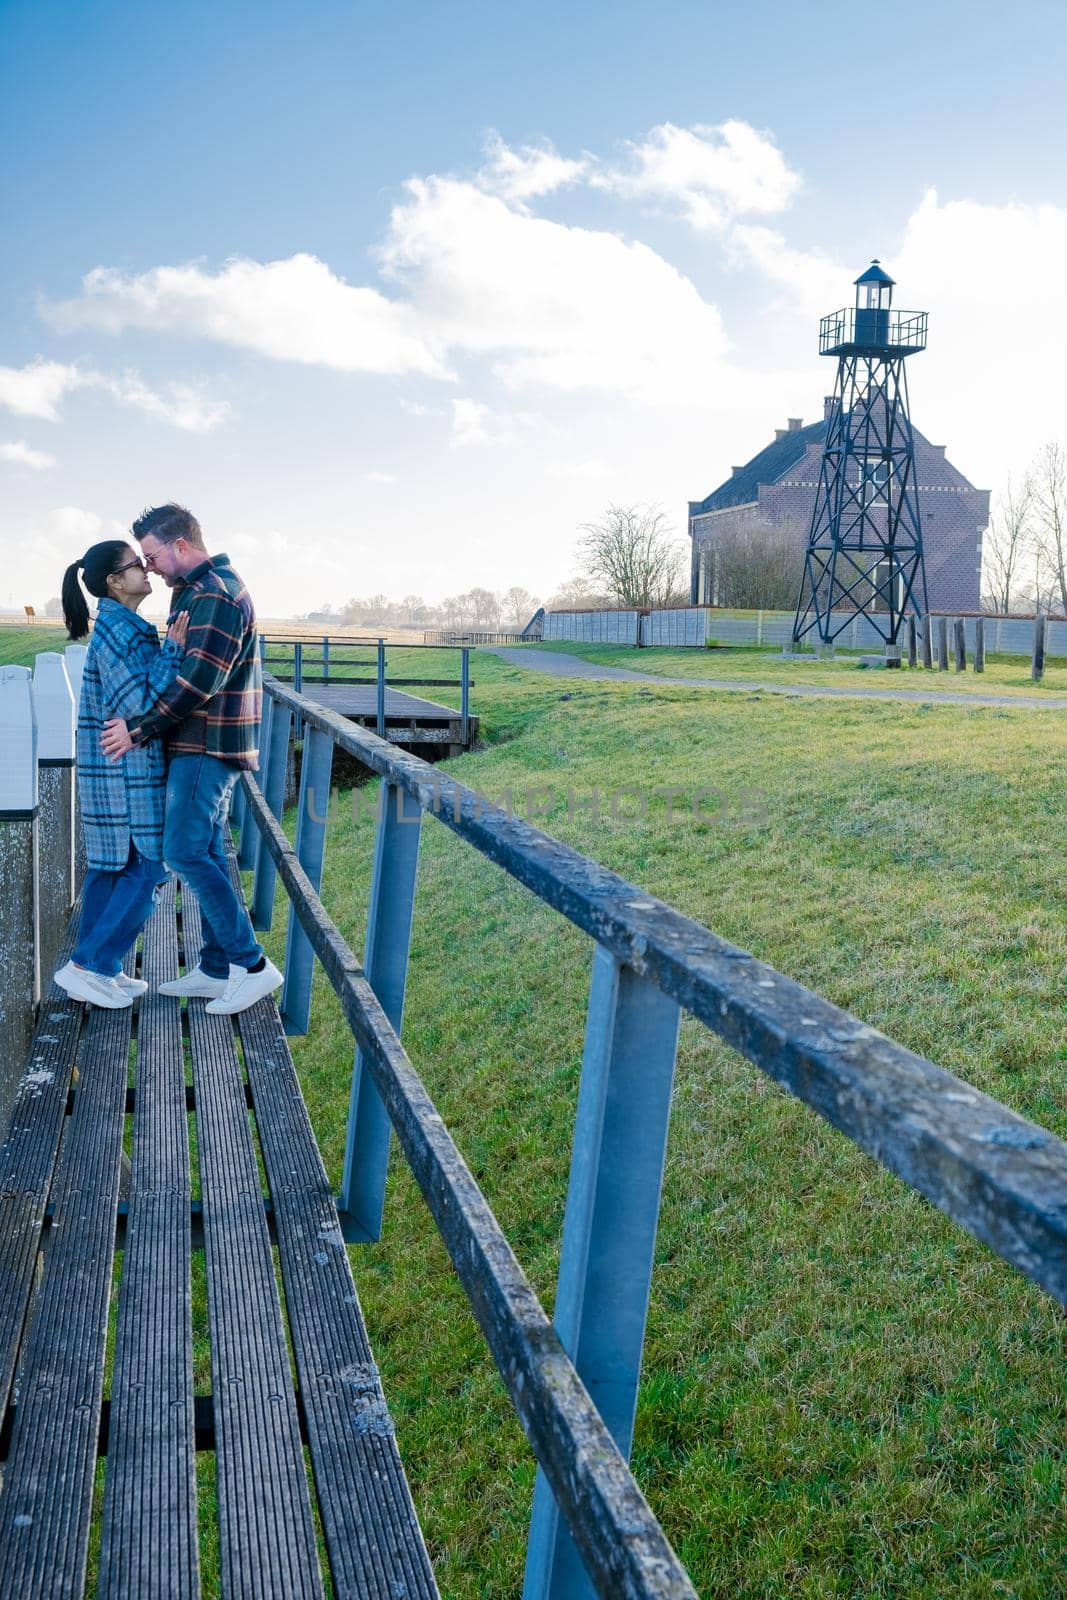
(136, 562)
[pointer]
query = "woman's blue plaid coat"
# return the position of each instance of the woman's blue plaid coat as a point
(122, 801)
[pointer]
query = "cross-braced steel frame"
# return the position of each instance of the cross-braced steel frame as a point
(865, 551)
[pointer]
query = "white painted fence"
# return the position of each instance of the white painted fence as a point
(695, 626)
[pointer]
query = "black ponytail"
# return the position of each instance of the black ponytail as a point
(96, 565)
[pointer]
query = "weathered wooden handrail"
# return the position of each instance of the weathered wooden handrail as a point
(623, 1545)
(1002, 1177)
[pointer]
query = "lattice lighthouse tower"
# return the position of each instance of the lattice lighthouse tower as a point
(865, 550)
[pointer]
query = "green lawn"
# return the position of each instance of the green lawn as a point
(843, 1393)
(1002, 675)
(19, 645)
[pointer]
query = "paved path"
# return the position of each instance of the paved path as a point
(564, 666)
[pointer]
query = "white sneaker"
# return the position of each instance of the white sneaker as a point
(92, 987)
(131, 986)
(195, 983)
(244, 988)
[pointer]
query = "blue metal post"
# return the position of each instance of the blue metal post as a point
(380, 727)
(392, 900)
(298, 684)
(325, 658)
(310, 845)
(465, 700)
(247, 853)
(609, 1231)
(274, 795)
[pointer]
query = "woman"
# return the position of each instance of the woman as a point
(121, 802)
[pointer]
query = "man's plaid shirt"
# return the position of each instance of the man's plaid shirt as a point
(125, 672)
(214, 705)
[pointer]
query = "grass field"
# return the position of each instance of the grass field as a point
(1002, 675)
(843, 1394)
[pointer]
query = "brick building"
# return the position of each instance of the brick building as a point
(777, 487)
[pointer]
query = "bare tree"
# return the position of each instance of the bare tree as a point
(632, 553)
(484, 608)
(1050, 520)
(519, 606)
(757, 567)
(578, 593)
(1008, 544)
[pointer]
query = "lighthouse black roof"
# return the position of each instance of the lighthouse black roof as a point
(875, 274)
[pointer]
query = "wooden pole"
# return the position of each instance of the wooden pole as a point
(20, 971)
(53, 704)
(928, 643)
(942, 644)
(74, 655)
(979, 644)
(912, 650)
(959, 629)
(1037, 665)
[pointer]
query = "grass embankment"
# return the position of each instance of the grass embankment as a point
(1004, 674)
(843, 1393)
(19, 645)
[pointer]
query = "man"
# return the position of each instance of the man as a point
(209, 721)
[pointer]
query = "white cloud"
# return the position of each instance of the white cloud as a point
(990, 383)
(471, 424)
(181, 405)
(530, 171)
(72, 523)
(552, 306)
(38, 390)
(811, 281)
(712, 173)
(292, 310)
(381, 477)
(21, 453)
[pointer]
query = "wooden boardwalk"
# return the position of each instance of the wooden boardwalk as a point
(60, 1215)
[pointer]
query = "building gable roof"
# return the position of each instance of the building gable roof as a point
(776, 460)
(767, 467)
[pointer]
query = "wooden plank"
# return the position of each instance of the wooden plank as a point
(48, 1482)
(372, 1533)
(148, 1545)
(266, 1534)
(28, 1160)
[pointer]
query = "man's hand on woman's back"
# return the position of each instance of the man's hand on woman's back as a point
(115, 738)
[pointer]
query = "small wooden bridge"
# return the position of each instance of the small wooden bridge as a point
(261, 1182)
(327, 668)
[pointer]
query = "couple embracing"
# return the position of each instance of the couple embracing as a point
(163, 734)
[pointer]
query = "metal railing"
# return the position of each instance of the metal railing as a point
(330, 654)
(443, 637)
(575, 1389)
(903, 332)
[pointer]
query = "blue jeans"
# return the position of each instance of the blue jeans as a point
(115, 907)
(194, 846)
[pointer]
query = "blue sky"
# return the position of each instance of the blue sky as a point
(396, 297)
